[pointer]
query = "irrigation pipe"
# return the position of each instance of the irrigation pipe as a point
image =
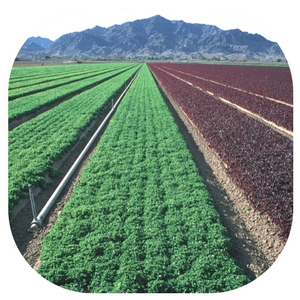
(37, 222)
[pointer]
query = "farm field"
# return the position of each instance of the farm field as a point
(36, 144)
(40, 84)
(36, 96)
(258, 158)
(249, 90)
(140, 216)
(270, 82)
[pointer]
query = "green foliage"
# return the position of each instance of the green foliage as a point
(36, 144)
(29, 99)
(141, 218)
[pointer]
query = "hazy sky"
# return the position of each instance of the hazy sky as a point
(53, 18)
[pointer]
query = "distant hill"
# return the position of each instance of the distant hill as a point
(34, 44)
(42, 42)
(157, 37)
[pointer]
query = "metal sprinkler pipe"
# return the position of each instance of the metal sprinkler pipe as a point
(37, 222)
(33, 208)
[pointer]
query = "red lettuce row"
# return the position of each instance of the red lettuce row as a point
(258, 158)
(274, 82)
(280, 114)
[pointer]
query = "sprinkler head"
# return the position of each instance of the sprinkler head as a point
(34, 227)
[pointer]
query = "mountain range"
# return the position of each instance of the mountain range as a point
(154, 37)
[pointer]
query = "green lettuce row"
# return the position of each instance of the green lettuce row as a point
(37, 143)
(140, 219)
(43, 82)
(31, 103)
(25, 76)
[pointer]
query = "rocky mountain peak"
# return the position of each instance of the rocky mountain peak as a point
(158, 37)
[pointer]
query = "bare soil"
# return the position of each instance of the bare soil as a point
(255, 240)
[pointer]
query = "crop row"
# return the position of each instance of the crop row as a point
(140, 219)
(37, 143)
(258, 158)
(34, 102)
(278, 113)
(41, 84)
(20, 76)
(273, 82)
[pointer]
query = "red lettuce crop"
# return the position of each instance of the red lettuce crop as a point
(258, 158)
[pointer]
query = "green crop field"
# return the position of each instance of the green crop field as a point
(141, 218)
(36, 144)
(31, 98)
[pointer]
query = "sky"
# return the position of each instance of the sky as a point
(273, 19)
(54, 18)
